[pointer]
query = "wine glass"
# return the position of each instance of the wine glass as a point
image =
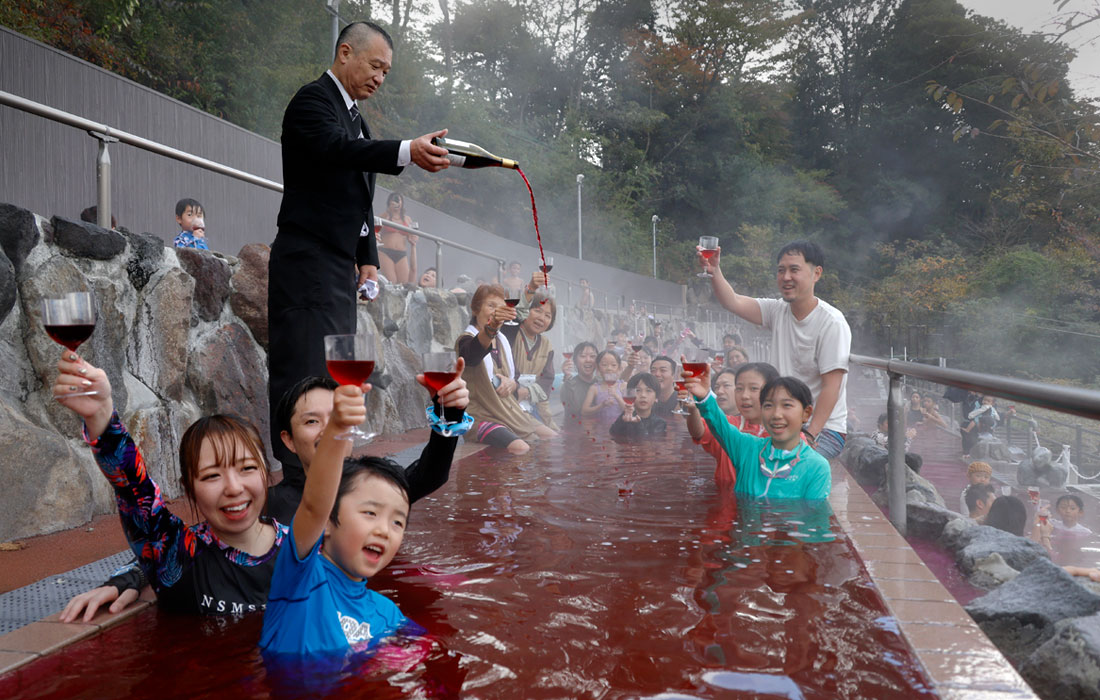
(350, 361)
(544, 288)
(709, 246)
(681, 385)
(513, 302)
(70, 321)
(568, 356)
(440, 369)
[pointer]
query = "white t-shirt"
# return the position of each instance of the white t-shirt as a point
(806, 349)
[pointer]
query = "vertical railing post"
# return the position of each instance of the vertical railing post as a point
(1078, 445)
(896, 476)
(500, 271)
(438, 264)
(103, 178)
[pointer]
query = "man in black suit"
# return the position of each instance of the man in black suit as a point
(325, 247)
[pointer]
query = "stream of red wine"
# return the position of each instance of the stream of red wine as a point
(535, 214)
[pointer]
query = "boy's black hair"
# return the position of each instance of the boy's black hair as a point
(764, 369)
(978, 492)
(794, 386)
(580, 347)
(356, 468)
(664, 358)
(811, 251)
(882, 418)
(1007, 513)
(181, 206)
(644, 378)
(285, 410)
(1071, 497)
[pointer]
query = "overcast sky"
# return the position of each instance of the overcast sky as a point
(1041, 16)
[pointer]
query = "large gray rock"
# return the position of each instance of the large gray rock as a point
(157, 351)
(211, 275)
(45, 487)
(8, 287)
(1040, 469)
(146, 256)
(990, 572)
(417, 327)
(407, 396)
(248, 295)
(979, 542)
(444, 314)
(927, 520)
(1067, 666)
(18, 234)
(81, 239)
(157, 431)
(1020, 615)
(229, 375)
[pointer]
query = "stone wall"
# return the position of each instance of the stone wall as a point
(181, 333)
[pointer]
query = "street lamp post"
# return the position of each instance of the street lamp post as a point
(580, 234)
(655, 220)
(333, 7)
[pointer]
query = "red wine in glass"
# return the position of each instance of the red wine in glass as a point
(513, 303)
(69, 335)
(69, 321)
(350, 361)
(636, 348)
(628, 400)
(708, 248)
(438, 380)
(350, 371)
(696, 368)
(567, 355)
(681, 385)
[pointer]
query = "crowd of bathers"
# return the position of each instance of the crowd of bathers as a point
(302, 552)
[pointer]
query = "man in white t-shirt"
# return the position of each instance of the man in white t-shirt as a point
(811, 339)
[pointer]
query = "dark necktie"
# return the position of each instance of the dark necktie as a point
(356, 120)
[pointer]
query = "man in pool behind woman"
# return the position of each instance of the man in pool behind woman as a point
(780, 466)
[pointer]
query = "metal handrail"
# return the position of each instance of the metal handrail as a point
(439, 243)
(1072, 400)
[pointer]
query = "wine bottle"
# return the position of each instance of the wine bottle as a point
(470, 155)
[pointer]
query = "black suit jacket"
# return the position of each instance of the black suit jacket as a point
(328, 171)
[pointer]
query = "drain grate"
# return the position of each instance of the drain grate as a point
(48, 596)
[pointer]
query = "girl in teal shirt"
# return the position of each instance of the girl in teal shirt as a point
(780, 466)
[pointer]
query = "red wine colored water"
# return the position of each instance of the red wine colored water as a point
(438, 380)
(350, 371)
(71, 336)
(696, 368)
(535, 216)
(511, 302)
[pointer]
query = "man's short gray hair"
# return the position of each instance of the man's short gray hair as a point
(358, 34)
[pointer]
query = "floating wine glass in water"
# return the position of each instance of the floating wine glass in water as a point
(70, 321)
(709, 246)
(512, 302)
(350, 361)
(440, 369)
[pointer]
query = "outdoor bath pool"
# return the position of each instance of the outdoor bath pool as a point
(585, 569)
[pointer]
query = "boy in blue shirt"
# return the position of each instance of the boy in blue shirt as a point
(189, 216)
(780, 466)
(348, 526)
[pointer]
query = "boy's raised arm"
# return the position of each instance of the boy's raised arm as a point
(323, 480)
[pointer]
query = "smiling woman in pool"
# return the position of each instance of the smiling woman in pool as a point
(223, 564)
